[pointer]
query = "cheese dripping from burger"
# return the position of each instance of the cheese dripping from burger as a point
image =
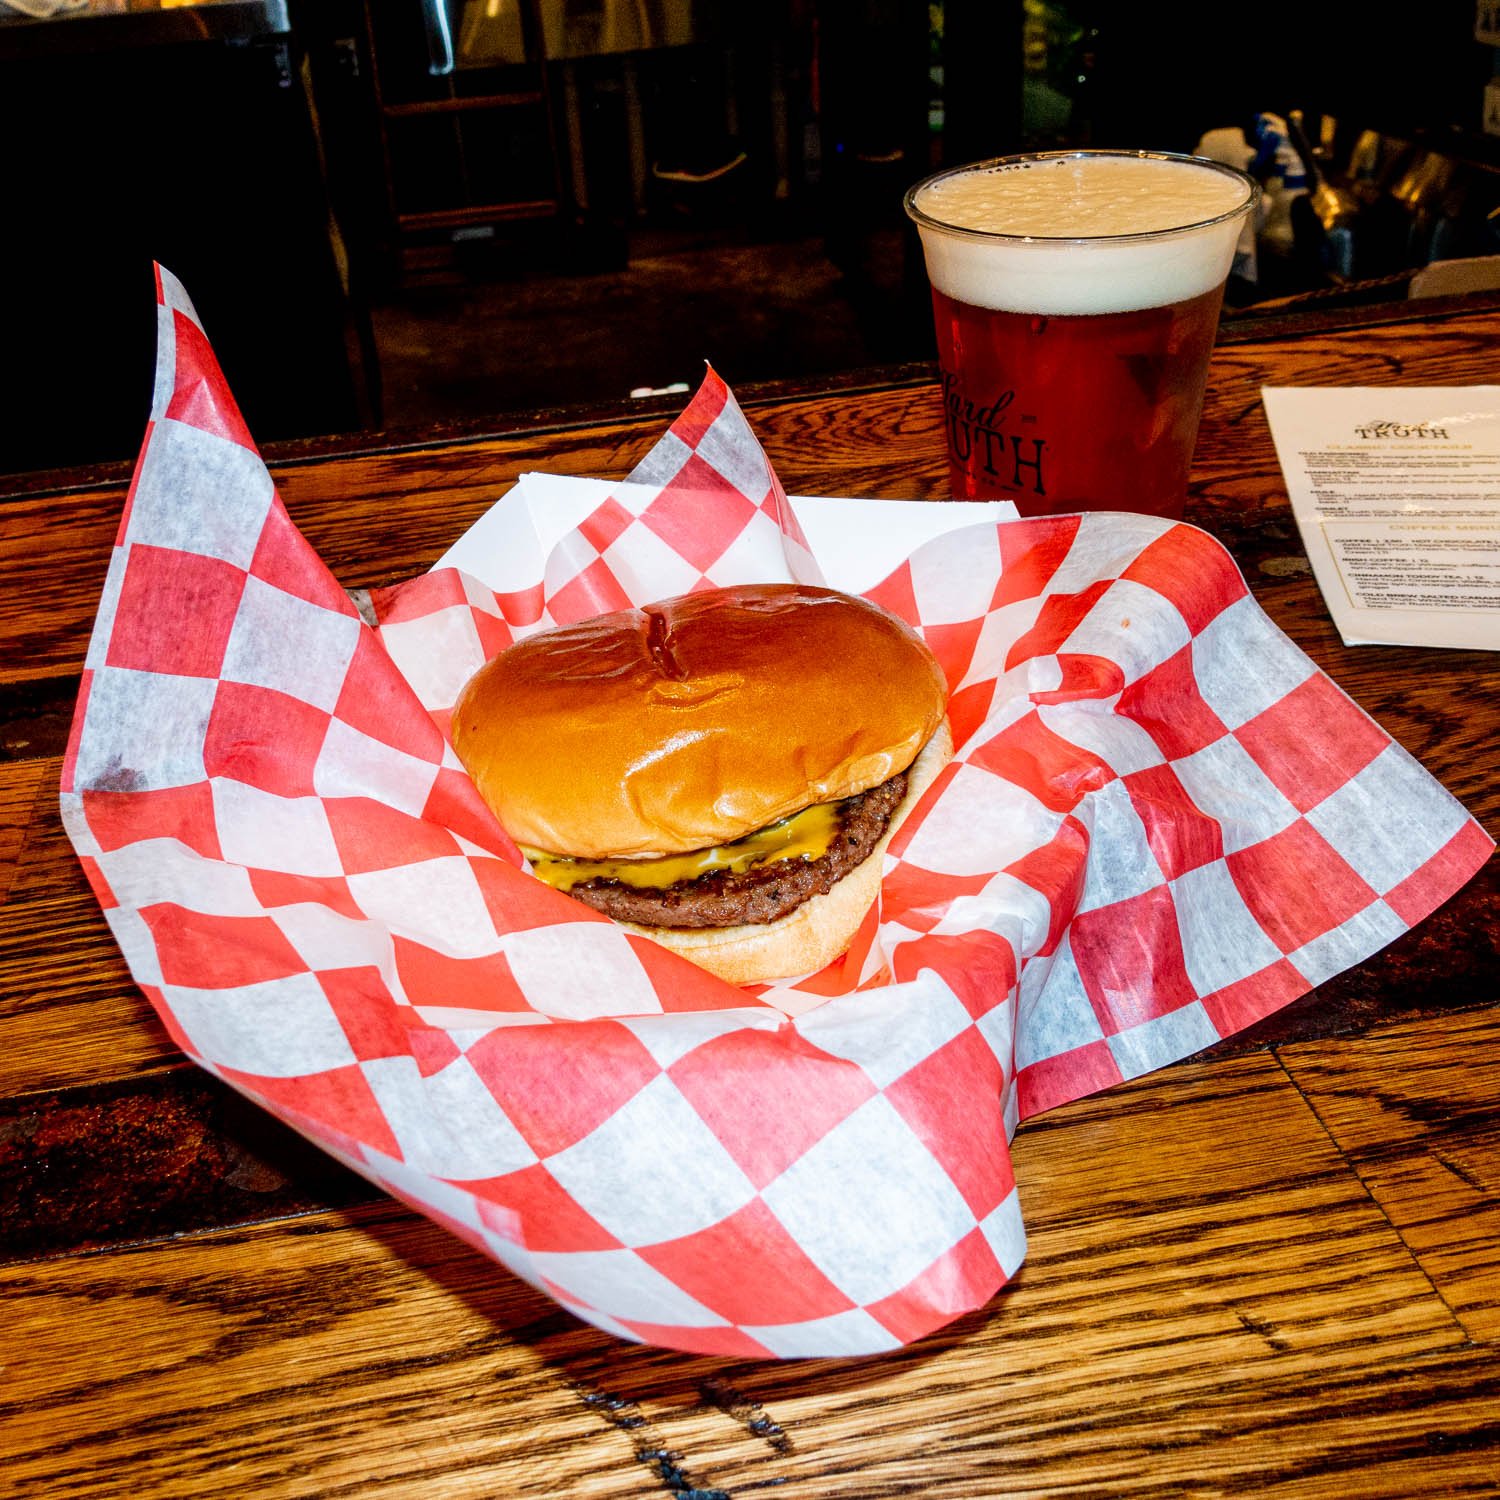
(720, 771)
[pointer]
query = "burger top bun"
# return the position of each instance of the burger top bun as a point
(695, 721)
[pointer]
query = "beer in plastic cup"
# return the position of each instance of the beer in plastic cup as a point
(1076, 296)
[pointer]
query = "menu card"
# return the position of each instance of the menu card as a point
(1396, 491)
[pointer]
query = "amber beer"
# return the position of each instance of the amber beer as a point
(1076, 296)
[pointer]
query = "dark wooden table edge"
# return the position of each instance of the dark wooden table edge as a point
(1245, 328)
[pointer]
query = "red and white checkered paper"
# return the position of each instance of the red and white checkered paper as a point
(1162, 823)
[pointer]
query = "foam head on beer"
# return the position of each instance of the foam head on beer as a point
(1078, 233)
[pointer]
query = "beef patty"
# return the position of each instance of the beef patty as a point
(763, 892)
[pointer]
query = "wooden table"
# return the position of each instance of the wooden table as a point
(1293, 1289)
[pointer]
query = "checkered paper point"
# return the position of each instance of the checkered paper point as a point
(1158, 828)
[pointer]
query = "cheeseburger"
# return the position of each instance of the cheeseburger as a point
(720, 772)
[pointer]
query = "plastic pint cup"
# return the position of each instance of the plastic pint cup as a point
(1076, 296)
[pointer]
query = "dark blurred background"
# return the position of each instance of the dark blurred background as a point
(391, 213)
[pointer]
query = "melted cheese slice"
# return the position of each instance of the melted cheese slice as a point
(805, 835)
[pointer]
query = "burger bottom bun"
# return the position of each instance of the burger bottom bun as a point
(819, 930)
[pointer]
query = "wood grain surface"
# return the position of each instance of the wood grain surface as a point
(1273, 1269)
(1216, 1305)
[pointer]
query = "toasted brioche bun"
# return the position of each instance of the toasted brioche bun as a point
(819, 930)
(695, 721)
